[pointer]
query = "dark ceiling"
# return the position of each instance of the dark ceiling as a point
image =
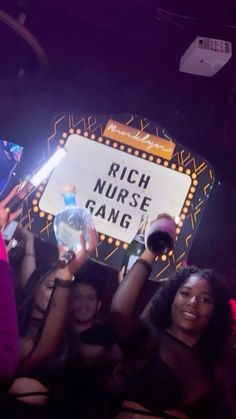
(122, 56)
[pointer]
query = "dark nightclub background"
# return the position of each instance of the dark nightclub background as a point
(122, 57)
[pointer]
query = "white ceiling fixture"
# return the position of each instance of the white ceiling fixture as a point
(205, 56)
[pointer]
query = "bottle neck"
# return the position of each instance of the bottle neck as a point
(69, 199)
(142, 226)
(139, 237)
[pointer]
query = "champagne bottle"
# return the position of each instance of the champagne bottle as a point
(137, 245)
(161, 235)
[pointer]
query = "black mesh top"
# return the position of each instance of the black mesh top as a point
(172, 377)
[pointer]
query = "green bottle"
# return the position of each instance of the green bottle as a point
(136, 246)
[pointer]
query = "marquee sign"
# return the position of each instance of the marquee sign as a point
(116, 186)
(124, 166)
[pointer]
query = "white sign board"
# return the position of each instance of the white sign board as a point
(116, 186)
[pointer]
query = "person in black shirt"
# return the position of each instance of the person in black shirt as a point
(90, 339)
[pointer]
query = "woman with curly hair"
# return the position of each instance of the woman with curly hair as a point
(177, 349)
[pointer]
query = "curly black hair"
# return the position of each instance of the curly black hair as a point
(213, 343)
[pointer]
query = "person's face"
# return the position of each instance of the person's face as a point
(43, 295)
(193, 305)
(84, 303)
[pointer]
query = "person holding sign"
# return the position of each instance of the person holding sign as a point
(176, 352)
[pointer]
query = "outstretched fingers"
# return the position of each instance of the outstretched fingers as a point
(93, 239)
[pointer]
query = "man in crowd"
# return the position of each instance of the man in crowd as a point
(91, 339)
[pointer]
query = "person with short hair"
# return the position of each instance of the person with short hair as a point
(91, 340)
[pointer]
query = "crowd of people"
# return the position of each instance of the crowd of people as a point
(59, 357)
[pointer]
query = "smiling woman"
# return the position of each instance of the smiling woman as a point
(194, 305)
(177, 348)
(192, 309)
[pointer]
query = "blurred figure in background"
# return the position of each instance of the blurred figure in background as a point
(9, 334)
(43, 315)
(90, 339)
(10, 155)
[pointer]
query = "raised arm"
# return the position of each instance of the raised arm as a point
(28, 265)
(54, 325)
(123, 308)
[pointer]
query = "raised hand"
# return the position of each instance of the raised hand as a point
(6, 218)
(25, 233)
(81, 256)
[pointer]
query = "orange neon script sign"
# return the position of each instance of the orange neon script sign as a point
(139, 139)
